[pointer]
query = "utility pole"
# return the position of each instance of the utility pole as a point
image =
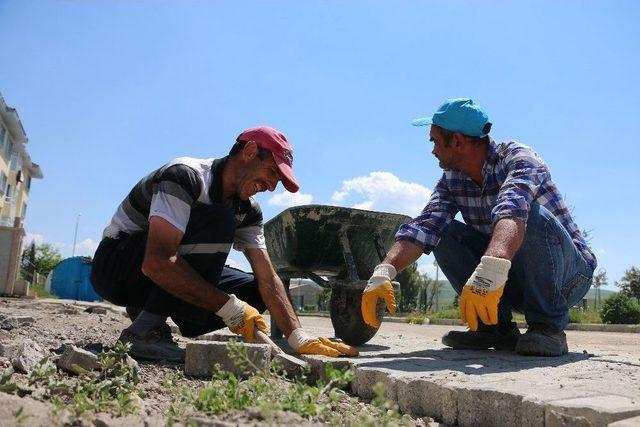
(75, 236)
(436, 288)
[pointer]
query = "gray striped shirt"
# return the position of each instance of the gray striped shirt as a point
(172, 190)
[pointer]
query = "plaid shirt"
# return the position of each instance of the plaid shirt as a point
(514, 176)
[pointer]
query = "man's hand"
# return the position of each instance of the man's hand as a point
(241, 318)
(481, 295)
(305, 344)
(379, 286)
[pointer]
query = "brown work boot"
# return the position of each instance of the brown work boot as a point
(541, 340)
(158, 344)
(503, 336)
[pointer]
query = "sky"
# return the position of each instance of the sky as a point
(110, 90)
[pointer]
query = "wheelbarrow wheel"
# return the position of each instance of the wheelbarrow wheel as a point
(346, 315)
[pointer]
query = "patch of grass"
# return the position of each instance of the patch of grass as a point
(579, 316)
(111, 388)
(416, 317)
(270, 393)
(38, 290)
(449, 313)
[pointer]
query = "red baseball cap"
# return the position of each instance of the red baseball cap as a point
(270, 139)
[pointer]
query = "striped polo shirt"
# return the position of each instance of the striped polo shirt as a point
(172, 190)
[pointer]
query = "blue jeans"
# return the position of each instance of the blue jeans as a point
(548, 274)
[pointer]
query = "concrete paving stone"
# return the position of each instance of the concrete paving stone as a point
(462, 386)
(28, 355)
(629, 422)
(74, 358)
(598, 410)
(221, 337)
(201, 356)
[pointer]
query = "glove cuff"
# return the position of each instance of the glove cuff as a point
(387, 271)
(232, 311)
(496, 265)
(298, 338)
(491, 273)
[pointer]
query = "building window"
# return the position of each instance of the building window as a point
(10, 193)
(24, 210)
(3, 132)
(3, 183)
(28, 183)
(8, 149)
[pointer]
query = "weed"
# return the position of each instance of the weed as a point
(110, 388)
(270, 392)
(20, 416)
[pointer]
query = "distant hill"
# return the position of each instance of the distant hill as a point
(447, 294)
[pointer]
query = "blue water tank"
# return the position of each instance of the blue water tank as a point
(71, 280)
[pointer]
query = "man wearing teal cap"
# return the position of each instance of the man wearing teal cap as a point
(518, 248)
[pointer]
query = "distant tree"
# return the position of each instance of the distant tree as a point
(630, 283)
(432, 290)
(410, 285)
(46, 258)
(28, 262)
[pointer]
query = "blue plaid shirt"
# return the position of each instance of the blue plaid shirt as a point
(514, 176)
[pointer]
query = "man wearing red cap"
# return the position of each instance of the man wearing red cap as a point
(164, 252)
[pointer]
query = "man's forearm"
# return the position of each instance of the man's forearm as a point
(177, 277)
(508, 235)
(275, 297)
(402, 254)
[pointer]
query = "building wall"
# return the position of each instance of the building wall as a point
(16, 207)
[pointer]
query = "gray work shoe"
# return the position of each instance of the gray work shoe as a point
(541, 340)
(502, 336)
(156, 345)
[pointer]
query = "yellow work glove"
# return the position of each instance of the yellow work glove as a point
(305, 344)
(378, 286)
(482, 293)
(241, 318)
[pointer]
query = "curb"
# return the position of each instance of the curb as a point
(586, 327)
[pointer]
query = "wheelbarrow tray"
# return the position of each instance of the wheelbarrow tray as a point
(308, 239)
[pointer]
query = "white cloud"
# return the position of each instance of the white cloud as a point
(32, 237)
(87, 244)
(287, 200)
(383, 191)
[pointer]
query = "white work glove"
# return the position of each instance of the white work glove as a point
(303, 343)
(241, 318)
(378, 286)
(482, 293)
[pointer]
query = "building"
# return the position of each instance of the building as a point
(16, 172)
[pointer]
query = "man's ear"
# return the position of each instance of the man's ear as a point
(250, 151)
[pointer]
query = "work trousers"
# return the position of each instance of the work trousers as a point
(548, 274)
(117, 275)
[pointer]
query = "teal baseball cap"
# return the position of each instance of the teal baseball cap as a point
(459, 115)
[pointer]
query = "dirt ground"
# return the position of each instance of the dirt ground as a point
(55, 325)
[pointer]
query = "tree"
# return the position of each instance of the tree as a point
(28, 262)
(630, 283)
(599, 280)
(432, 289)
(410, 285)
(47, 257)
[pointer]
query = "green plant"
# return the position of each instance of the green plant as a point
(270, 393)
(620, 309)
(416, 317)
(110, 388)
(579, 316)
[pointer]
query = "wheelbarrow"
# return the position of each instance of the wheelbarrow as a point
(337, 248)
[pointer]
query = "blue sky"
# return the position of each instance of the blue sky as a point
(110, 90)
